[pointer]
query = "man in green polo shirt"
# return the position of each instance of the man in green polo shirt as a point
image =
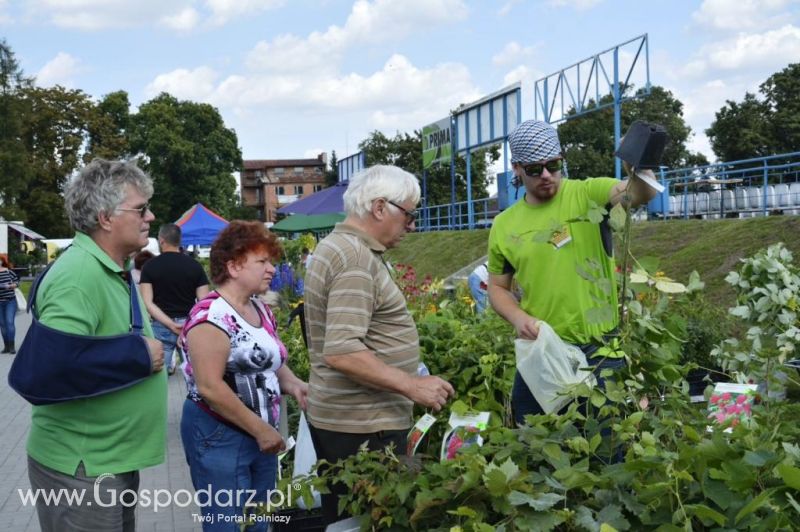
(104, 439)
(547, 268)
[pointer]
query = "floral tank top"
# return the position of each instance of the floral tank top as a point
(256, 354)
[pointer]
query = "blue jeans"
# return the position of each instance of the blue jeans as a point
(478, 293)
(8, 309)
(167, 338)
(225, 464)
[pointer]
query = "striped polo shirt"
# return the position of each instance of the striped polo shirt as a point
(353, 304)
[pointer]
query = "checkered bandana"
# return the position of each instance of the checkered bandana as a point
(533, 141)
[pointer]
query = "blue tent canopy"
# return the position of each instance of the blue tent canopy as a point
(200, 226)
(326, 201)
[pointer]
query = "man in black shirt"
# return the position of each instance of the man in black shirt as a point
(170, 285)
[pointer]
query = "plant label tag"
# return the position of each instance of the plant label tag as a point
(290, 443)
(418, 432)
(652, 183)
(464, 430)
(731, 404)
(561, 237)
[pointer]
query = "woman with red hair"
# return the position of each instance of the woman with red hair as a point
(8, 304)
(235, 370)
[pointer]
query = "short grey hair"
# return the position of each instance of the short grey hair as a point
(100, 187)
(380, 181)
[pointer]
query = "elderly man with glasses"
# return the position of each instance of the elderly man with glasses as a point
(92, 334)
(363, 342)
(542, 242)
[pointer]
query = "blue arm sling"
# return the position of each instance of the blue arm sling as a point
(53, 366)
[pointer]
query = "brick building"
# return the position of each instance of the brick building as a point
(268, 184)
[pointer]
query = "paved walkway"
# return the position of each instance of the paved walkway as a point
(15, 417)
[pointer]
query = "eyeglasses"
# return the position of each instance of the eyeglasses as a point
(141, 210)
(536, 169)
(410, 215)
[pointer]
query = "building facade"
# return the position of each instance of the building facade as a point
(269, 184)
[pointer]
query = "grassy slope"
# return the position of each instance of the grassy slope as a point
(712, 247)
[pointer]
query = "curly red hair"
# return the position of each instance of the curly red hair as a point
(4, 261)
(234, 243)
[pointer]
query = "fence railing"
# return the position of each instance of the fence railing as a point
(750, 187)
(736, 189)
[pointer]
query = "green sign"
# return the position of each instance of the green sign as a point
(436, 143)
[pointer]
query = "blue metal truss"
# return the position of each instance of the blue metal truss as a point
(580, 88)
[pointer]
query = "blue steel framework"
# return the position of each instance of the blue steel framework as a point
(572, 98)
(351, 165)
(486, 121)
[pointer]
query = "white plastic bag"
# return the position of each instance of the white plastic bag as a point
(549, 365)
(22, 304)
(305, 456)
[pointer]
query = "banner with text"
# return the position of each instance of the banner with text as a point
(436, 144)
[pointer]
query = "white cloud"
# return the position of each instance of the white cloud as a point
(748, 51)
(197, 84)
(523, 73)
(367, 23)
(513, 52)
(775, 47)
(579, 5)
(224, 10)
(742, 14)
(400, 96)
(399, 84)
(186, 19)
(59, 71)
(288, 53)
(507, 7)
(102, 14)
(304, 74)
(182, 15)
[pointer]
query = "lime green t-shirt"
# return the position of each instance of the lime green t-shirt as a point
(85, 293)
(545, 252)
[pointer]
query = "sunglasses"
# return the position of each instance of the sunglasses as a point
(141, 210)
(536, 169)
(410, 215)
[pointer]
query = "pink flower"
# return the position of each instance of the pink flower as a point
(741, 399)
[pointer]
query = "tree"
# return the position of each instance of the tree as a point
(332, 174)
(56, 127)
(740, 130)
(588, 141)
(108, 128)
(782, 95)
(189, 153)
(14, 167)
(405, 151)
(759, 127)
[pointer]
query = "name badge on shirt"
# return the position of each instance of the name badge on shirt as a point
(561, 237)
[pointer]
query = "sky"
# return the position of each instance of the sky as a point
(297, 78)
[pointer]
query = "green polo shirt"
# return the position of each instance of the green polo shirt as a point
(548, 270)
(84, 293)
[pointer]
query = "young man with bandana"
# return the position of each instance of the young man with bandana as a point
(540, 242)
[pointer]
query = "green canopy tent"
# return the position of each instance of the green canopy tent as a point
(300, 223)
